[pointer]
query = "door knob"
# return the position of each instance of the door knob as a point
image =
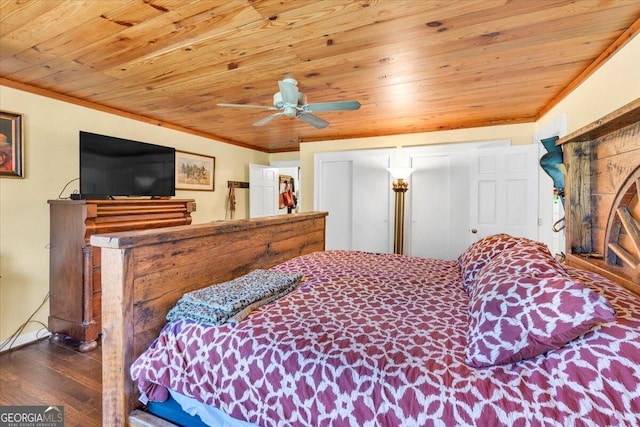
(474, 231)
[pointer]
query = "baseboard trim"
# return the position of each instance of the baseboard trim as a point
(27, 338)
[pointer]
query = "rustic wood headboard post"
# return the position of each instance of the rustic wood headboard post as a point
(116, 333)
(145, 272)
(603, 196)
(578, 197)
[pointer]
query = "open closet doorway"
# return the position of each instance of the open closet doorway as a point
(270, 186)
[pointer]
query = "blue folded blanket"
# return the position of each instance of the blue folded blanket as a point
(230, 301)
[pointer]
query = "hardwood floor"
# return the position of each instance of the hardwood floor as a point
(43, 373)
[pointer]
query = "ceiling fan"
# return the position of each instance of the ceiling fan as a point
(291, 102)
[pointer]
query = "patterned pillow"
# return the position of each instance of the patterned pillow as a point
(526, 257)
(480, 253)
(514, 317)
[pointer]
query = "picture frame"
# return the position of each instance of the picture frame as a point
(11, 145)
(195, 171)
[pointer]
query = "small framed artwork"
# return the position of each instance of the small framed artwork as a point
(11, 146)
(195, 171)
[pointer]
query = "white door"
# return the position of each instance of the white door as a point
(504, 192)
(355, 189)
(372, 196)
(334, 191)
(438, 198)
(263, 190)
(430, 233)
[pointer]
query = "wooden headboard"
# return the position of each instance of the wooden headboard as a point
(603, 196)
(145, 272)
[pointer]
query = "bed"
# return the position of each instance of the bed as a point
(385, 339)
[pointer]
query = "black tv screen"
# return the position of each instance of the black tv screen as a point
(111, 166)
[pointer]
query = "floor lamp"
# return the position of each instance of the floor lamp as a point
(400, 186)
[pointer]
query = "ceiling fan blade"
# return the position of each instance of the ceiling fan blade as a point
(314, 121)
(262, 107)
(334, 106)
(267, 119)
(289, 92)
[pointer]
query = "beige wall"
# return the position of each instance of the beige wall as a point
(284, 157)
(51, 161)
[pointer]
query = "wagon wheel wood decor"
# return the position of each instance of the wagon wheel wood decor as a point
(623, 231)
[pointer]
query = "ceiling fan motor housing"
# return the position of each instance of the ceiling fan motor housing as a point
(279, 103)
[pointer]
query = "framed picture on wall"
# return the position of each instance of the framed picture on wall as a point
(195, 171)
(11, 146)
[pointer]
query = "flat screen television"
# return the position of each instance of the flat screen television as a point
(111, 166)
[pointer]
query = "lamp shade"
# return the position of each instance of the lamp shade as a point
(401, 173)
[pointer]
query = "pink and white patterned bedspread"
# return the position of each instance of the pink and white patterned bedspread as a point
(379, 340)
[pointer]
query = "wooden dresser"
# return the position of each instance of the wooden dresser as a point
(74, 266)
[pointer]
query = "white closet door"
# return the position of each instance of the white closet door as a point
(439, 198)
(355, 189)
(371, 199)
(430, 214)
(443, 204)
(335, 196)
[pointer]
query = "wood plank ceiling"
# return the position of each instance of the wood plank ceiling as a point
(414, 65)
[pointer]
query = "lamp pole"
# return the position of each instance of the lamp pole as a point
(400, 186)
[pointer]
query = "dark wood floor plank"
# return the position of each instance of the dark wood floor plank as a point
(67, 364)
(43, 373)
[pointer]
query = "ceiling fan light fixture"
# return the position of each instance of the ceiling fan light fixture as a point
(277, 100)
(290, 111)
(293, 103)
